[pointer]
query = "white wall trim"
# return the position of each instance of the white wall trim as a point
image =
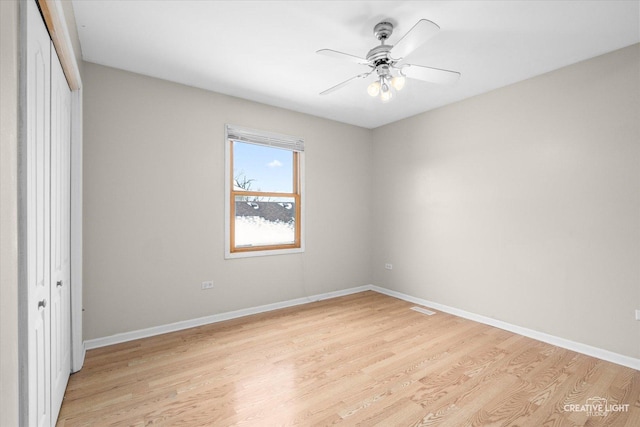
(70, 61)
(588, 350)
(78, 350)
(186, 324)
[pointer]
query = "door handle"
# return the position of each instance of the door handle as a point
(42, 304)
(59, 284)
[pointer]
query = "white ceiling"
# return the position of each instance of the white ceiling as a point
(265, 50)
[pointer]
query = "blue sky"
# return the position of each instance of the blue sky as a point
(270, 168)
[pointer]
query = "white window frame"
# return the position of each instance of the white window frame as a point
(259, 137)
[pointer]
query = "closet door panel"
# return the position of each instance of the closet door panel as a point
(60, 234)
(37, 239)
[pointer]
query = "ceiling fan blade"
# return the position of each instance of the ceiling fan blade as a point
(344, 83)
(432, 75)
(342, 55)
(416, 36)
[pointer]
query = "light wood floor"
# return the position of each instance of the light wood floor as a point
(364, 359)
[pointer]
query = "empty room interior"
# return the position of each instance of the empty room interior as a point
(269, 213)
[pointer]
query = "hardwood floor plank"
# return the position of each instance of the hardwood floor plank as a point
(363, 359)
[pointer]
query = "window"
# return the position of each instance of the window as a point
(264, 197)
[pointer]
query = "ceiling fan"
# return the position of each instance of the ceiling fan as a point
(387, 61)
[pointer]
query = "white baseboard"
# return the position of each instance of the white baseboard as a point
(186, 324)
(588, 350)
(540, 336)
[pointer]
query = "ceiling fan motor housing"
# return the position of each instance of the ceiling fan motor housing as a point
(379, 54)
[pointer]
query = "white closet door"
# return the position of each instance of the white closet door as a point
(38, 274)
(60, 234)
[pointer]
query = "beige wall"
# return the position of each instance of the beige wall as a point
(522, 204)
(154, 205)
(9, 213)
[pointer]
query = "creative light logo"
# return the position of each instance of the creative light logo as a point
(596, 407)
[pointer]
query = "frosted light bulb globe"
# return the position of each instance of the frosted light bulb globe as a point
(385, 96)
(398, 82)
(374, 88)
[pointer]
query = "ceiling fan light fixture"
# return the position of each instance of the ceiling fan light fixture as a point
(374, 89)
(382, 60)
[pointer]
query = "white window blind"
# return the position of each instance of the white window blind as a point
(270, 139)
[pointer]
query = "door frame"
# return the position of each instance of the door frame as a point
(78, 349)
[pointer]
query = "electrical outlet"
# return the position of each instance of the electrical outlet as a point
(388, 266)
(637, 314)
(207, 285)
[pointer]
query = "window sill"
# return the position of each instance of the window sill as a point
(251, 254)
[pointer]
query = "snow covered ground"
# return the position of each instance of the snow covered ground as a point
(255, 230)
